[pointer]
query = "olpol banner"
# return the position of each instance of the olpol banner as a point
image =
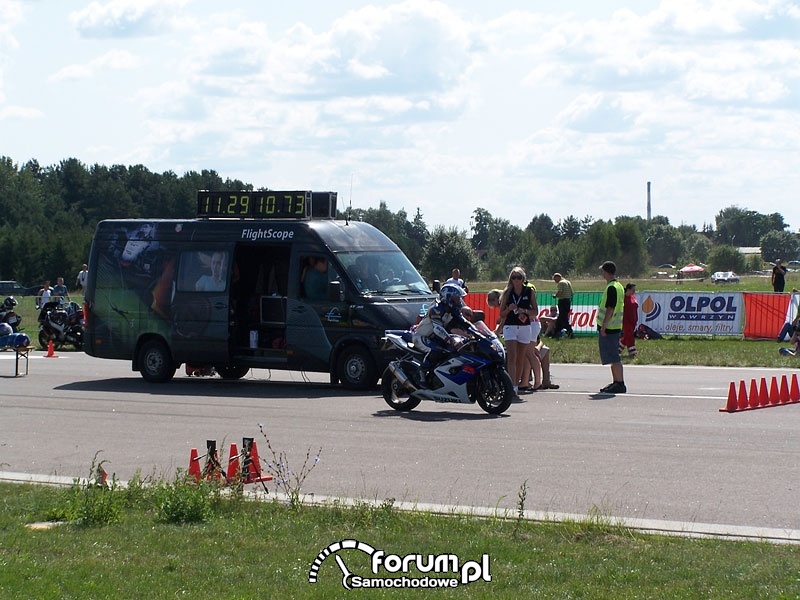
(692, 313)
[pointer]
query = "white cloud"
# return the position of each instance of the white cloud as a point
(126, 18)
(19, 112)
(113, 60)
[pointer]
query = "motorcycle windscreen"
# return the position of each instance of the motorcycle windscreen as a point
(200, 307)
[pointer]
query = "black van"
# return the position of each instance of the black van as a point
(268, 286)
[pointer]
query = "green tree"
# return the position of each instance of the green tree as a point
(779, 244)
(740, 227)
(556, 258)
(481, 228)
(570, 228)
(664, 244)
(697, 248)
(726, 258)
(633, 255)
(448, 248)
(600, 243)
(543, 229)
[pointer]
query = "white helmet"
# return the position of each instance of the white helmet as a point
(5, 329)
(451, 295)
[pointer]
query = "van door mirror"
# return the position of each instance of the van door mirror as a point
(335, 292)
(436, 286)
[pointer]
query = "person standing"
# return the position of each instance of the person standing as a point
(43, 297)
(455, 278)
(630, 317)
(778, 276)
(517, 307)
(60, 292)
(564, 297)
(609, 325)
(80, 279)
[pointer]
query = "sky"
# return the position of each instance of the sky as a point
(518, 107)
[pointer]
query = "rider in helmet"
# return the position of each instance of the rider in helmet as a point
(9, 303)
(433, 333)
(5, 329)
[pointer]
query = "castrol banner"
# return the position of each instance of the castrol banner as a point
(581, 317)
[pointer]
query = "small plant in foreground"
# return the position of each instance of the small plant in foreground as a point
(185, 500)
(94, 501)
(287, 480)
(522, 496)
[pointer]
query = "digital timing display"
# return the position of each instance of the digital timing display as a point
(254, 205)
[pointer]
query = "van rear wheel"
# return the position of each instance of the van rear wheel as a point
(356, 369)
(155, 362)
(232, 371)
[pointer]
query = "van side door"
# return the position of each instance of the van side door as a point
(200, 307)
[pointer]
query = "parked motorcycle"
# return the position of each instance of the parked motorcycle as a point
(7, 314)
(474, 373)
(62, 323)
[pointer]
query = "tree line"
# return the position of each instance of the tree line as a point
(48, 216)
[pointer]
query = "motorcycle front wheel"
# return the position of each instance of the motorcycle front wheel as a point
(44, 338)
(396, 394)
(494, 391)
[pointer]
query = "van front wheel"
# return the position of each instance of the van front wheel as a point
(356, 369)
(155, 362)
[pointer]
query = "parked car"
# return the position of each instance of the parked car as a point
(14, 288)
(725, 277)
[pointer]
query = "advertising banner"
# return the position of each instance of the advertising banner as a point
(692, 313)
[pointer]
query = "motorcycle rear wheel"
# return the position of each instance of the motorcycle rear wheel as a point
(396, 394)
(494, 391)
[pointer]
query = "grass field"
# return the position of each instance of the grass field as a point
(234, 548)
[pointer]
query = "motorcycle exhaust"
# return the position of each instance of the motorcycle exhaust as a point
(401, 377)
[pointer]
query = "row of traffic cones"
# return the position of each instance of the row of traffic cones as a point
(242, 468)
(761, 396)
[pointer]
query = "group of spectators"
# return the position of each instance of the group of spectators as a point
(59, 292)
(523, 330)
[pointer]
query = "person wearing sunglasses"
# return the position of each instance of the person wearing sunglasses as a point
(518, 309)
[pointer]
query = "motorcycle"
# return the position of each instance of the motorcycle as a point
(61, 324)
(474, 373)
(7, 314)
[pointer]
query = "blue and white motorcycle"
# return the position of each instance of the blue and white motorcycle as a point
(473, 373)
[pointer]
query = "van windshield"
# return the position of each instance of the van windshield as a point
(386, 273)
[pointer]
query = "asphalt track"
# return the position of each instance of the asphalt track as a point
(661, 457)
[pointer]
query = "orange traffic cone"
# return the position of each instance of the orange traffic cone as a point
(252, 469)
(774, 394)
(794, 390)
(742, 400)
(102, 477)
(753, 394)
(784, 393)
(732, 404)
(763, 393)
(194, 465)
(234, 470)
(51, 351)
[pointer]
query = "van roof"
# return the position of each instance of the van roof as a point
(339, 236)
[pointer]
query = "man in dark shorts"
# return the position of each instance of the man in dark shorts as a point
(609, 325)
